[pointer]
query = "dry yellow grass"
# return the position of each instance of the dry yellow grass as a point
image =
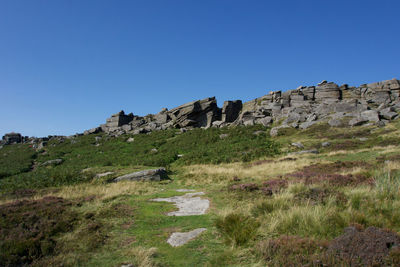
(379, 149)
(101, 191)
(142, 257)
(106, 190)
(222, 174)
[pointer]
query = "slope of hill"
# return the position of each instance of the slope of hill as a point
(287, 200)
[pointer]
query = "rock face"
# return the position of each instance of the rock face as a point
(301, 108)
(231, 110)
(146, 175)
(116, 120)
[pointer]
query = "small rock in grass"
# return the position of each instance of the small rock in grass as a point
(99, 175)
(325, 144)
(223, 136)
(52, 162)
(298, 145)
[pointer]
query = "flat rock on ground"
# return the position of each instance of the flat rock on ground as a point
(187, 204)
(179, 239)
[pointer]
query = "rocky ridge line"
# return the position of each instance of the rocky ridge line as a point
(339, 106)
(376, 103)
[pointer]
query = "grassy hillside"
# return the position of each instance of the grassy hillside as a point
(269, 206)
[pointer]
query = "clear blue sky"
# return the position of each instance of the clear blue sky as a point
(66, 65)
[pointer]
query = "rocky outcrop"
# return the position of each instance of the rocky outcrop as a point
(231, 110)
(200, 113)
(338, 106)
(12, 138)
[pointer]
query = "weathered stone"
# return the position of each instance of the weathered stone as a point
(266, 121)
(104, 174)
(178, 239)
(223, 136)
(370, 115)
(310, 151)
(231, 110)
(306, 124)
(357, 121)
(298, 145)
(146, 175)
(325, 144)
(217, 124)
(200, 113)
(276, 130)
(162, 117)
(187, 204)
(12, 138)
(118, 119)
(130, 140)
(335, 123)
(126, 127)
(327, 92)
(41, 145)
(52, 162)
(389, 115)
(93, 131)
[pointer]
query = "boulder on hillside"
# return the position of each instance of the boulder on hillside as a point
(146, 175)
(52, 162)
(370, 115)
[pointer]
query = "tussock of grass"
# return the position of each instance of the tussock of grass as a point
(388, 185)
(305, 221)
(237, 229)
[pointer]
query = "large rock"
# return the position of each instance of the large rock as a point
(12, 138)
(370, 115)
(117, 120)
(200, 113)
(231, 110)
(146, 175)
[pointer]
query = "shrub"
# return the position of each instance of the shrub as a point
(237, 229)
(28, 228)
(291, 251)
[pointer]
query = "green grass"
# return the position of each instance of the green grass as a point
(16, 159)
(112, 224)
(196, 146)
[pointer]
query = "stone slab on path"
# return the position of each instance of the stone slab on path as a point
(187, 204)
(185, 190)
(179, 239)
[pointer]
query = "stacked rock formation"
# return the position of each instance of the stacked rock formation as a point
(12, 138)
(328, 102)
